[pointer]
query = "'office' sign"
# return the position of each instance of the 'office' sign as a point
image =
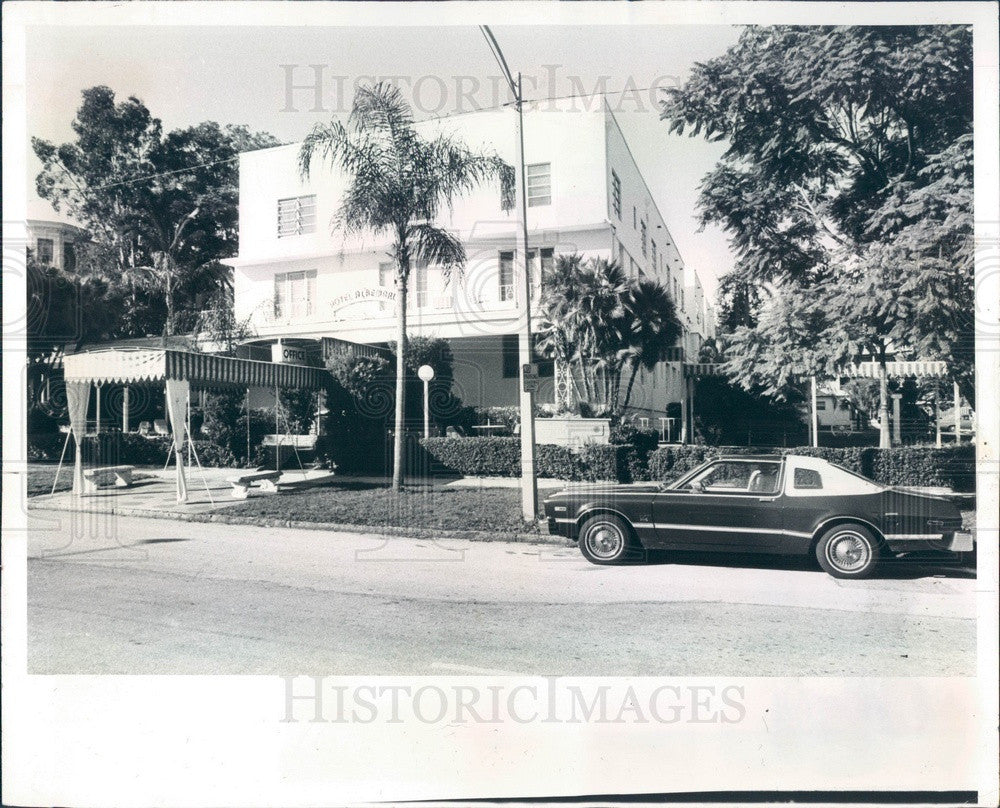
(288, 355)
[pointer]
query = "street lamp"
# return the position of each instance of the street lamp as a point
(426, 373)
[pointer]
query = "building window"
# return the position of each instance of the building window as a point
(69, 256)
(510, 356)
(652, 250)
(677, 298)
(418, 275)
(634, 225)
(820, 405)
(644, 236)
(536, 270)
(539, 184)
(616, 195)
(296, 215)
(46, 251)
(506, 276)
(294, 294)
(386, 280)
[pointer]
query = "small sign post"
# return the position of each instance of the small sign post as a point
(529, 377)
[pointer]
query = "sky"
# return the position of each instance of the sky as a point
(186, 75)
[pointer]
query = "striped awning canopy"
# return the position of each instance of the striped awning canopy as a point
(865, 370)
(137, 365)
(899, 370)
(697, 370)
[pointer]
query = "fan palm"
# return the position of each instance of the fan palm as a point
(397, 182)
(653, 329)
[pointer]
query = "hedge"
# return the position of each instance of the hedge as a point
(113, 448)
(501, 457)
(950, 467)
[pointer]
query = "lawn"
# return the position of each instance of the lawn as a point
(497, 510)
(41, 476)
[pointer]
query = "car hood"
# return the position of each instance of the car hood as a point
(587, 490)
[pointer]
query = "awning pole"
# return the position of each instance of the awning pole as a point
(62, 457)
(937, 415)
(958, 413)
(246, 408)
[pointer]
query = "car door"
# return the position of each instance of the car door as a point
(736, 507)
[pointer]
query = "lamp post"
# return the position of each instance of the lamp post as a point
(529, 482)
(426, 373)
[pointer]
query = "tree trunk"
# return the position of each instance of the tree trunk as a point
(883, 403)
(397, 437)
(628, 390)
(167, 269)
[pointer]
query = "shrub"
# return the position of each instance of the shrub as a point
(477, 457)
(952, 467)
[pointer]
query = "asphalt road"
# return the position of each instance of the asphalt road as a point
(149, 596)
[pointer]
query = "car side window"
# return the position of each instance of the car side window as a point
(807, 478)
(738, 478)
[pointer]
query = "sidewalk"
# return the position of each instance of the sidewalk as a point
(154, 496)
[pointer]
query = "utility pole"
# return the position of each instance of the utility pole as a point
(529, 483)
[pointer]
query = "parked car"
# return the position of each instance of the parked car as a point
(760, 504)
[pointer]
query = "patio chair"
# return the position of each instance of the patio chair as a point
(160, 427)
(145, 428)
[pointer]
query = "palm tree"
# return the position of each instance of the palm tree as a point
(397, 182)
(582, 323)
(653, 328)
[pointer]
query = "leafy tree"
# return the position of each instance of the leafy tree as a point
(398, 182)
(163, 208)
(848, 174)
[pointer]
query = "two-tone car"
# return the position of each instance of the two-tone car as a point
(777, 504)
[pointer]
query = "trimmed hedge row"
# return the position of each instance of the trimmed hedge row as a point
(501, 457)
(951, 467)
(114, 448)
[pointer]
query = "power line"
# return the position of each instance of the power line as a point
(164, 173)
(456, 114)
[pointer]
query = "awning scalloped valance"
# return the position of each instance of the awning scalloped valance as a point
(124, 366)
(917, 369)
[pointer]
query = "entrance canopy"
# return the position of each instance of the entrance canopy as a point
(138, 365)
(180, 371)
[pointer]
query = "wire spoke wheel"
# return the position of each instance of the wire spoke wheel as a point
(607, 539)
(848, 551)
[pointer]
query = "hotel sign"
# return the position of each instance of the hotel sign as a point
(377, 293)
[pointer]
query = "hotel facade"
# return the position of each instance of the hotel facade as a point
(303, 288)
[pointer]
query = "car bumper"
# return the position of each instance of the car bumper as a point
(562, 527)
(958, 542)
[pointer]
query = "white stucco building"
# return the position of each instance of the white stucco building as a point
(55, 243)
(297, 282)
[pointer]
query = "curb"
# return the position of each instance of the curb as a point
(339, 527)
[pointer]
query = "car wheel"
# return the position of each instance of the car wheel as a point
(608, 539)
(849, 550)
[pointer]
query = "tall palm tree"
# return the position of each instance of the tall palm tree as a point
(653, 328)
(397, 182)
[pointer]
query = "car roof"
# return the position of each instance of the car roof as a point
(775, 457)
